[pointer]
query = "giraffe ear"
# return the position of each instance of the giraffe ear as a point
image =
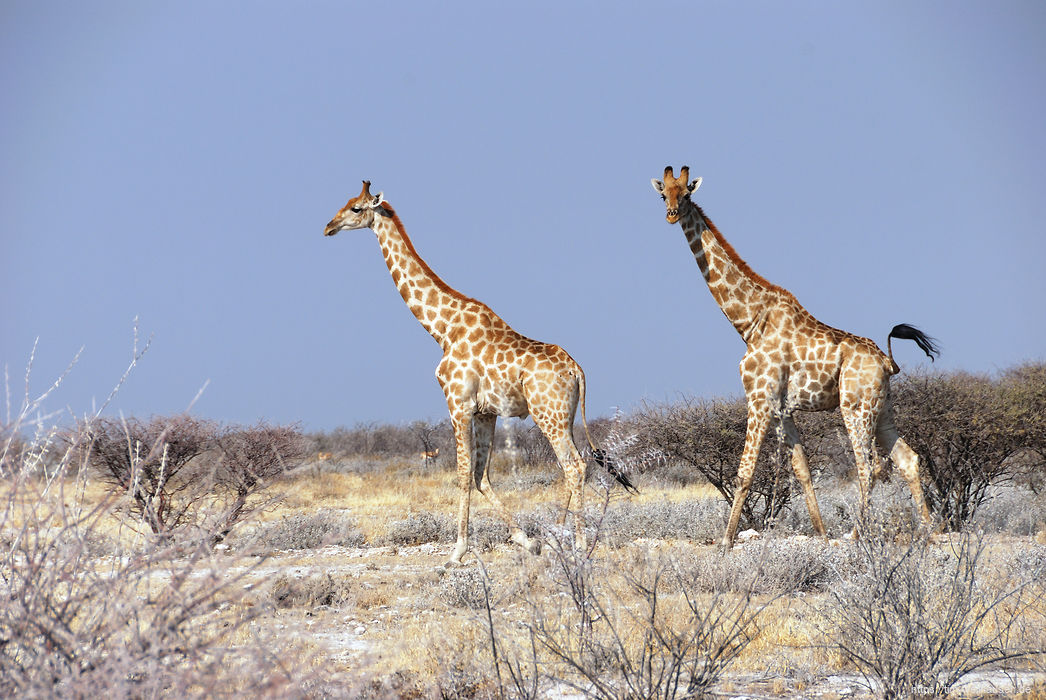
(378, 199)
(659, 186)
(692, 187)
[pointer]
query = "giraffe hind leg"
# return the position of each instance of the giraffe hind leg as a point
(560, 437)
(483, 431)
(905, 459)
(859, 426)
(802, 472)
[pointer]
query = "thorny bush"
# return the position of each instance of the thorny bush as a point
(973, 432)
(183, 471)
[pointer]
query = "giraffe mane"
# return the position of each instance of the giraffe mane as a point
(443, 286)
(737, 259)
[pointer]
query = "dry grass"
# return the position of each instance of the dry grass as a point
(378, 498)
(380, 617)
(430, 626)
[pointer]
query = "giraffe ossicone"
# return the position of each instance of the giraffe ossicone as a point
(793, 362)
(488, 370)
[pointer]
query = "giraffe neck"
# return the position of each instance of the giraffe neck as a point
(741, 293)
(432, 301)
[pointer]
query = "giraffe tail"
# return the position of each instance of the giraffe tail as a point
(600, 456)
(905, 331)
(607, 462)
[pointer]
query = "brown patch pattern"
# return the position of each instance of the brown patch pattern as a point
(488, 369)
(793, 362)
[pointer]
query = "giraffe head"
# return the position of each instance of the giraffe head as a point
(358, 213)
(676, 192)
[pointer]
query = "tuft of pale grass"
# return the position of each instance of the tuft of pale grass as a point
(701, 520)
(323, 590)
(465, 588)
(422, 527)
(305, 531)
(768, 566)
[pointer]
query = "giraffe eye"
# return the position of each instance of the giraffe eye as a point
(355, 210)
(663, 198)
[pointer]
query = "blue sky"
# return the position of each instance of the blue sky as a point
(176, 162)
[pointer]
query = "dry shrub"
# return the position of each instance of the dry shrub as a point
(322, 590)
(1013, 509)
(384, 440)
(708, 436)
(837, 502)
(701, 520)
(485, 533)
(533, 448)
(464, 588)
(14, 451)
(532, 477)
(644, 633)
(247, 461)
(146, 460)
(150, 619)
(916, 618)
(86, 611)
(323, 528)
(1029, 564)
(769, 566)
(422, 527)
(183, 472)
(972, 433)
(588, 626)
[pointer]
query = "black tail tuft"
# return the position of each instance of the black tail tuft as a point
(927, 344)
(604, 460)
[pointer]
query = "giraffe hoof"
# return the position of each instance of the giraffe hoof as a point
(450, 564)
(456, 561)
(460, 549)
(530, 544)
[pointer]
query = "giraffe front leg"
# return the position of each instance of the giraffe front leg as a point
(758, 421)
(462, 423)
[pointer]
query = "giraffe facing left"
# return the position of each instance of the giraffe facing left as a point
(488, 370)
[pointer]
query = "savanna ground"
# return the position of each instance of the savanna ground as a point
(176, 557)
(383, 606)
(337, 589)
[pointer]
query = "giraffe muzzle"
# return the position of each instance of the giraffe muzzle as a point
(672, 216)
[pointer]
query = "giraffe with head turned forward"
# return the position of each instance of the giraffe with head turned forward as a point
(488, 370)
(796, 363)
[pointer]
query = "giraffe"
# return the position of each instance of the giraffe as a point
(793, 362)
(488, 370)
